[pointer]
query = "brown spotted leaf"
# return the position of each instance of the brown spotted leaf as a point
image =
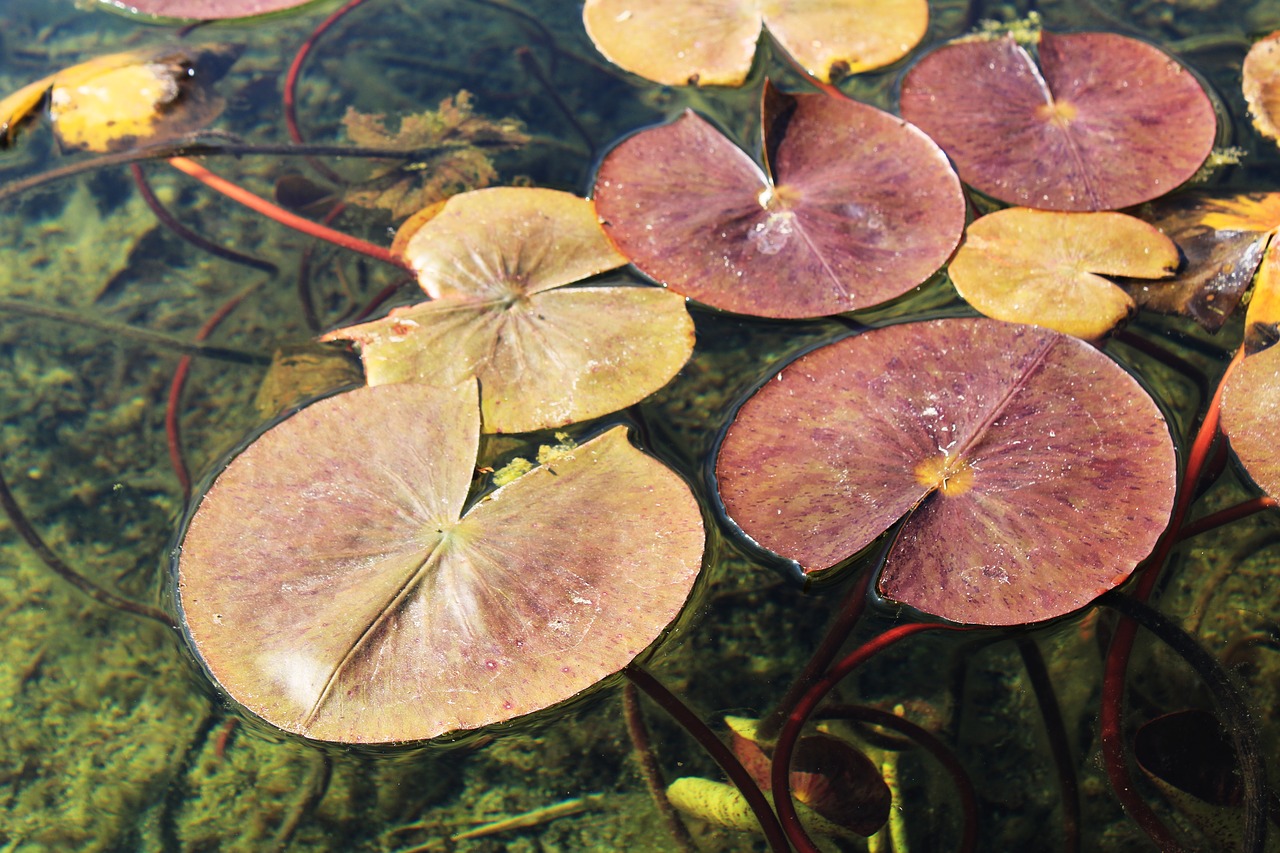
(1047, 267)
(333, 581)
(1036, 471)
(1103, 122)
(1222, 240)
(712, 42)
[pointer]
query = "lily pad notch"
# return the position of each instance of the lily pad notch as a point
(1035, 472)
(334, 581)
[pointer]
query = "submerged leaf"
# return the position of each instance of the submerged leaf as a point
(858, 209)
(334, 584)
(711, 42)
(497, 260)
(20, 107)
(1036, 472)
(1047, 268)
(1103, 122)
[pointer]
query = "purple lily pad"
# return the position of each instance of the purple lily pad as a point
(1036, 471)
(857, 207)
(202, 10)
(334, 582)
(1104, 122)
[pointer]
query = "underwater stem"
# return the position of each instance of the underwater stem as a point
(284, 217)
(24, 528)
(651, 770)
(1056, 729)
(723, 756)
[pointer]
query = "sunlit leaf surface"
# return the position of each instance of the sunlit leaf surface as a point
(860, 207)
(1261, 85)
(1222, 240)
(712, 42)
(20, 107)
(546, 355)
(1047, 267)
(202, 10)
(334, 583)
(1251, 416)
(1103, 122)
(1036, 471)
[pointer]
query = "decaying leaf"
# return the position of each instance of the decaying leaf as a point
(301, 373)
(1048, 267)
(453, 148)
(1222, 241)
(112, 102)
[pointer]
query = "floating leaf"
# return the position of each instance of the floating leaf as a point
(1262, 319)
(1104, 122)
(1251, 416)
(455, 146)
(1036, 472)
(496, 261)
(1047, 268)
(1261, 83)
(1192, 751)
(334, 584)
(711, 42)
(1222, 240)
(859, 208)
(202, 10)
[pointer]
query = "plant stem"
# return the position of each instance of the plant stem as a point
(723, 756)
(1056, 729)
(284, 217)
(24, 528)
(650, 769)
(124, 330)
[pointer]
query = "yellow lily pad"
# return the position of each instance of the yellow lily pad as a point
(712, 42)
(496, 262)
(1047, 267)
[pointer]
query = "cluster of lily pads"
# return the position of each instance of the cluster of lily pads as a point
(352, 575)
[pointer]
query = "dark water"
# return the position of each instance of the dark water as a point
(113, 739)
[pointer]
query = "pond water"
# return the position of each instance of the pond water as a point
(111, 735)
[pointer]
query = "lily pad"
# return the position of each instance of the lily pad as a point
(201, 10)
(712, 42)
(1251, 416)
(334, 583)
(856, 207)
(496, 262)
(1036, 471)
(1261, 84)
(1103, 122)
(1047, 267)
(1222, 240)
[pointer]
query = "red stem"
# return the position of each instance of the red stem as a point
(291, 85)
(172, 422)
(284, 217)
(1244, 509)
(1111, 712)
(781, 770)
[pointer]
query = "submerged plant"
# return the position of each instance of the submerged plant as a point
(360, 573)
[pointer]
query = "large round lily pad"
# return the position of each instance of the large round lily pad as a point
(334, 583)
(1251, 416)
(1036, 471)
(496, 262)
(857, 207)
(711, 42)
(1103, 122)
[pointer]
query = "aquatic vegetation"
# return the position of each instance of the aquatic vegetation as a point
(885, 499)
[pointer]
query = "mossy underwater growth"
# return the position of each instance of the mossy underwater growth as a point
(112, 738)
